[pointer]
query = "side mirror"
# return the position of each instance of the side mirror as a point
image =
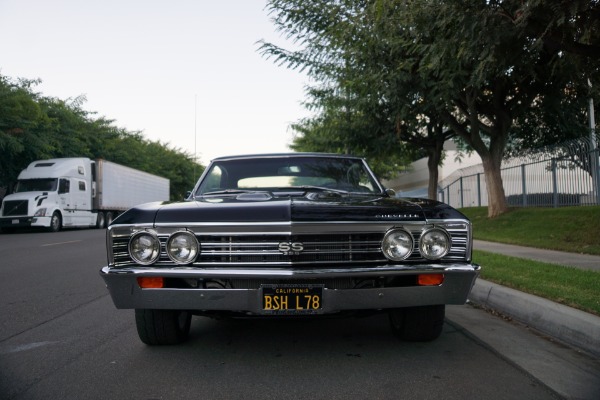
(390, 192)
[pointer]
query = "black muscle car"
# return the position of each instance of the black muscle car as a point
(280, 235)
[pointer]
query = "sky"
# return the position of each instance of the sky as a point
(187, 73)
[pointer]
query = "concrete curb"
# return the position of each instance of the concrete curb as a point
(571, 326)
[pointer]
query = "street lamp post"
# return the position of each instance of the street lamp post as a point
(595, 152)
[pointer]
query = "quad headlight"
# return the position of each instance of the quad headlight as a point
(182, 247)
(397, 244)
(435, 243)
(144, 247)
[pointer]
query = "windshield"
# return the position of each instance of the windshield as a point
(284, 173)
(36, 185)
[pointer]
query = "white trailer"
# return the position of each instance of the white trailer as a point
(77, 192)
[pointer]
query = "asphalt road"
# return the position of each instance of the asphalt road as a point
(62, 338)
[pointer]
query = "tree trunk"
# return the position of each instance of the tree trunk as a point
(434, 155)
(491, 153)
(497, 203)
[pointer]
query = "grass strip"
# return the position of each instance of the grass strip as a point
(571, 229)
(565, 285)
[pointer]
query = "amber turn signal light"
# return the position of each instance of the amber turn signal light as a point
(151, 282)
(430, 279)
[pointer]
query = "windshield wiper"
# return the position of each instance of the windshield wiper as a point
(328, 190)
(314, 188)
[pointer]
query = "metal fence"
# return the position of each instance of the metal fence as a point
(558, 176)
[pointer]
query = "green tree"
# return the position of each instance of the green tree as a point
(501, 77)
(25, 129)
(362, 109)
(436, 69)
(572, 26)
(342, 127)
(33, 127)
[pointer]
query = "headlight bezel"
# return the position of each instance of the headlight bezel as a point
(425, 245)
(194, 250)
(387, 246)
(155, 247)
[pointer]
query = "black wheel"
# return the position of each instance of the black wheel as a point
(55, 222)
(418, 324)
(100, 221)
(109, 218)
(160, 327)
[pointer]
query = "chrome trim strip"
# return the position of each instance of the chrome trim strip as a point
(293, 227)
(355, 271)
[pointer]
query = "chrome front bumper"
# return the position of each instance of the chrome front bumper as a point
(126, 293)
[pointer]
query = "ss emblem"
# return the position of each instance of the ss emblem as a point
(290, 247)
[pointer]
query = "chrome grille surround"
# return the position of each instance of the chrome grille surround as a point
(258, 244)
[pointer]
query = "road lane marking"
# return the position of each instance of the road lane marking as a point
(59, 243)
(25, 347)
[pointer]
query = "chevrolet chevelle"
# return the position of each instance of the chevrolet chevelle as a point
(289, 235)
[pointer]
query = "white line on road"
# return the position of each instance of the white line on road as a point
(24, 347)
(58, 244)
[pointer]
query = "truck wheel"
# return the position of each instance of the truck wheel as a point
(162, 327)
(418, 324)
(55, 222)
(109, 218)
(100, 221)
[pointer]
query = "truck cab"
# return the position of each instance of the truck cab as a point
(51, 194)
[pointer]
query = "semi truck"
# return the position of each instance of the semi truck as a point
(77, 193)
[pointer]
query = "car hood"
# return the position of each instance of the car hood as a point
(310, 208)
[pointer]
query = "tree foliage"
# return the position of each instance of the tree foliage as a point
(34, 127)
(569, 26)
(340, 119)
(423, 71)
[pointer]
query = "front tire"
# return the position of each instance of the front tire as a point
(162, 327)
(55, 222)
(418, 324)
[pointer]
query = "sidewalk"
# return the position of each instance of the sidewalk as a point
(571, 326)
(583, 261)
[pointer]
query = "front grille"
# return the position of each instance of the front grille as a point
(264, 250)
(15, 207)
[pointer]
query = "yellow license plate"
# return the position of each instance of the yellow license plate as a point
(292, 299)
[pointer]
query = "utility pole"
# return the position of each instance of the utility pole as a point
(195, 134)
(595, 152)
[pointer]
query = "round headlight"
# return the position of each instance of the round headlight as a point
(435, 244)
(397, 244)
(144, 247)
(182, 247)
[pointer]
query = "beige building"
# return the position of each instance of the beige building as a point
(414, 182)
